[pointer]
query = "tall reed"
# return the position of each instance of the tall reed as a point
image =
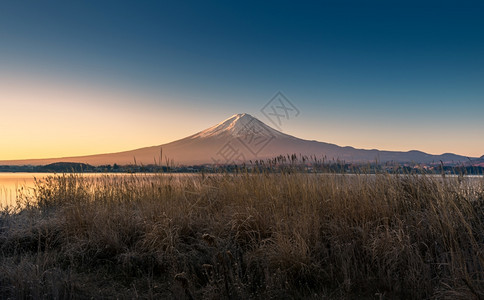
(246, 235)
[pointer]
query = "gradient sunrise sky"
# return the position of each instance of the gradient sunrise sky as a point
(88, 77)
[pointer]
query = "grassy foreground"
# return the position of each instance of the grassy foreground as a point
(246, 236)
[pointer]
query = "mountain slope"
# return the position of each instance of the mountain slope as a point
(243, 138)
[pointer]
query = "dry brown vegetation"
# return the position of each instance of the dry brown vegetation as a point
(246, 236)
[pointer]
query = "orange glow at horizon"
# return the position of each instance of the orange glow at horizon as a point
(47, 118)
(41, 119)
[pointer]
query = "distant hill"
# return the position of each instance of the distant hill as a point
(65, 167)
(243, 138)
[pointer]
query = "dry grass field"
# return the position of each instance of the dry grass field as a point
(246, 235)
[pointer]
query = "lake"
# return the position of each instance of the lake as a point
(10, 183)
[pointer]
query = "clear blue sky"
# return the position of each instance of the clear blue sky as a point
(394, 75)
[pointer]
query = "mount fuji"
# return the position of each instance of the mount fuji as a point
(241, 138)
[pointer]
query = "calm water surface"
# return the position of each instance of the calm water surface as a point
(11, 183)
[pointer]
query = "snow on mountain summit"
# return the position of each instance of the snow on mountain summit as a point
(236, 125)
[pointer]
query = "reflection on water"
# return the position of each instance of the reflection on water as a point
(15, 184)
(12, 183)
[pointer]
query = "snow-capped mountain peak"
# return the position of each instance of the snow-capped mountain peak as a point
(237, 125)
